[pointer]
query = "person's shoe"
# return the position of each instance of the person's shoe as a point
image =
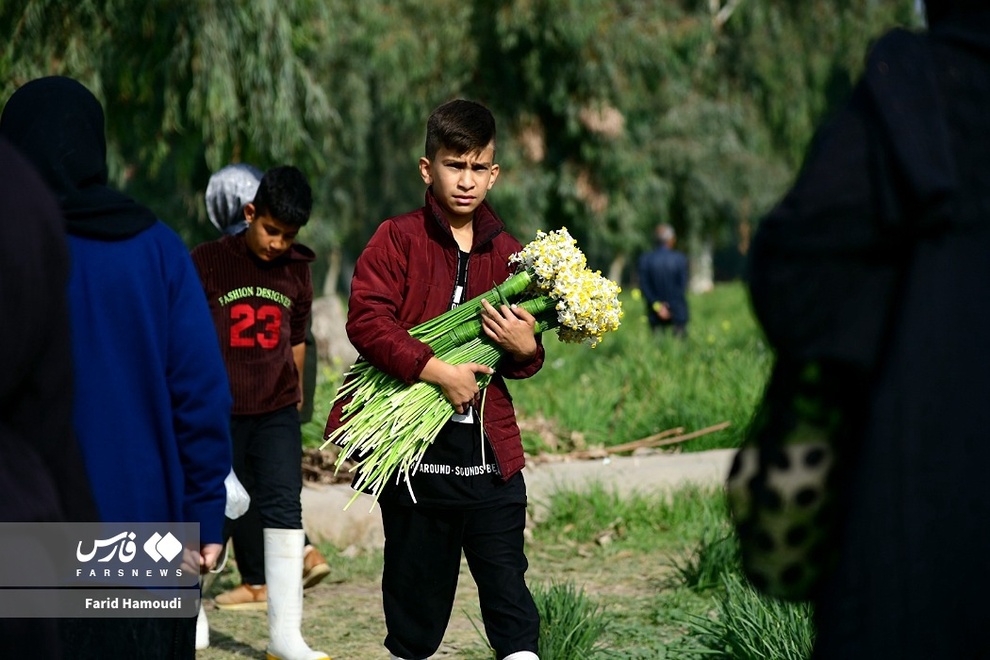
(244, 597)
(283, 561)
(202, 630)
(315, 567)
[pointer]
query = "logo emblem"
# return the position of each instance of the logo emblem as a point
(123, 541)
(162, 547)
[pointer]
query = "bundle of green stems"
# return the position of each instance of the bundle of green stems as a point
(387, 425)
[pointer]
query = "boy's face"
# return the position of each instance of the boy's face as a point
(267, 237)
(460, 181)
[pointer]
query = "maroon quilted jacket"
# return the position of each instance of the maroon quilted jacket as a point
(406, 276)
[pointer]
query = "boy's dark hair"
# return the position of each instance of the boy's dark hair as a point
(461, 126)
(285, 195)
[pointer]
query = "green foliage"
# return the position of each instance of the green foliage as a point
(704, 608)
(637, 383)
(571, 623)
(715, 555)
(616, 522)
(750, 626)
(612, 114)
(327, 381)
(187, 87)
(757, 48)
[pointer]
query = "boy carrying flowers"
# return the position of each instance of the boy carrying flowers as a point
(387, 426)
(469, 490)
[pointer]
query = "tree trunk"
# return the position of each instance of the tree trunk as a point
(702, 268)
(332, 345)
(616, 267)
(329, 316)
(334, 260)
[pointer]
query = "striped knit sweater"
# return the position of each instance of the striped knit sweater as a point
(260, 311)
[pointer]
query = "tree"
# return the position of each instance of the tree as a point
(619, 124)
(613, 114)
(187, 86)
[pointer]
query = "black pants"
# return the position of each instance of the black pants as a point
(268, 462)
(140, 639)
(32, 638)
(679, 330)
(422, 561)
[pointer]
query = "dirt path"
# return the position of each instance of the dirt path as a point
(342, 618)
(343, 614)
(326, 519)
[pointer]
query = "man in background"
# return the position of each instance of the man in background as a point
(663, 278)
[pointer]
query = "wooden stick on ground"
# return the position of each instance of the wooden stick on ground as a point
(661, 439)
(644, 442)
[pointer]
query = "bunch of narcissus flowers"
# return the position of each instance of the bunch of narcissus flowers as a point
(388, 425)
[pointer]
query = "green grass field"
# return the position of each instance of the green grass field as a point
(636, 383)
(650, 576)
(695, 603)
(642, 576)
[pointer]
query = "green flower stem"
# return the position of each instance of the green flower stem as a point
(437, 327)
(471, 328)
(434, 331)
(388, 425)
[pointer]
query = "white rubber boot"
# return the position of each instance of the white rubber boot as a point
(202, 630)
(283, 566)
(202, 625)
(522, 655)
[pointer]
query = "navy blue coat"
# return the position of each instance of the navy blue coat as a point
(663, 277)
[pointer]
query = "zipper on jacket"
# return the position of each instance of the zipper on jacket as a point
(459, 294)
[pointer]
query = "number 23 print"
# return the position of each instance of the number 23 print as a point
(255, 327)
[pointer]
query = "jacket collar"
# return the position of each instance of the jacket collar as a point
(486, 224)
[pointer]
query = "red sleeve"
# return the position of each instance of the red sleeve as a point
(377, 289)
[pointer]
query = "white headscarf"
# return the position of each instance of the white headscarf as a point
(229, 189)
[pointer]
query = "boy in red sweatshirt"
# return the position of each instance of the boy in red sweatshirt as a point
(259, 288)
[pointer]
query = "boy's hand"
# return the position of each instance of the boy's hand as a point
(512, 328)
(457, 381)
(203, 559)
(209, 553)
(662, 310)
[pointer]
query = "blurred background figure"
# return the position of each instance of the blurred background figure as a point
(663, 279)
(227, 191)
(151, 401)
(42, 478)
(874, 267)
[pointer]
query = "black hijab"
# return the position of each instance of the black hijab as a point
(57, 124)
(937, 10)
